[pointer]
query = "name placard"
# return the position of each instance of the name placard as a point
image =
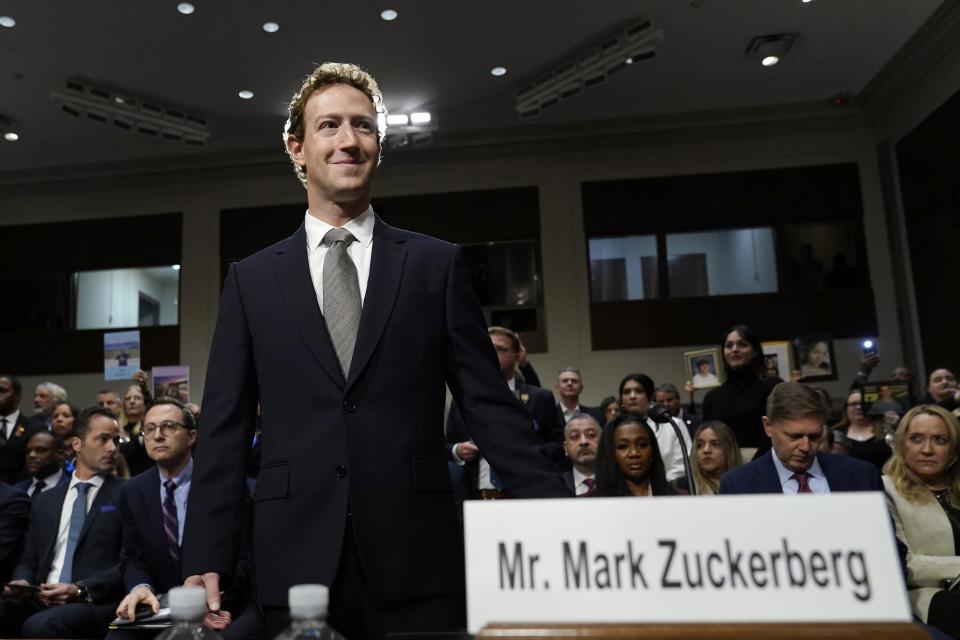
(771, 558)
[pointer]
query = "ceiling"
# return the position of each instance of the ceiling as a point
(435, 56)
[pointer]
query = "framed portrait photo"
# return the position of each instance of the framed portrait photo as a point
(704, 368)
(814, 357)
(777, 359)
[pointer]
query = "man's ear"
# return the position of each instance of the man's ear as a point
(767, 426)
(295, 149)
(76, 444)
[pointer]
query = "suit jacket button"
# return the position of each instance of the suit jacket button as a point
(349, 406)
(341, 471)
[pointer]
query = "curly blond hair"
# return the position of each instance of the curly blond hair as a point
(909, 484)
(325, 75)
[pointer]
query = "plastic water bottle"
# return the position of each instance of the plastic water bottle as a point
(187, 608)
(308, 614)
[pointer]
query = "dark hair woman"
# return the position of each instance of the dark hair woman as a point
(741, 400)
(628, 460)
(609, 408)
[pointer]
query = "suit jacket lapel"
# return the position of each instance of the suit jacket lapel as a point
(293, 272)
(768, 471)
(103, 495)
(52, 525)
(386, 270)
(153, 508)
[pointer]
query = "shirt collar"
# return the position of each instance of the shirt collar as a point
(512, 383)
(578, 477)
(50, 480)
(785, 474)
(182, 477)
(96, 481)
(12, 418)
(361, 227)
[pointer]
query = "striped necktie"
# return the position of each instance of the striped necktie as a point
(171, 526)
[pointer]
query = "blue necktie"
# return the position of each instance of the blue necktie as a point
(76, 524)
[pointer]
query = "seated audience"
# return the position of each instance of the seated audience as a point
(131, 436)
(922, 482)
(72, 544)
(44, 464)
(581, 435)
(715, 452)
(794, 422)
(628, 460)
(569, 388)
(609, 408)
(741, 400)
(669, 396)
(636, 392)
(15, 430)
(62, 418)
(863, 436)
(14, 513)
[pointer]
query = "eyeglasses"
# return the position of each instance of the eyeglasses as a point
(166, 428)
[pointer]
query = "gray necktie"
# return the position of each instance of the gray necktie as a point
(341, 296)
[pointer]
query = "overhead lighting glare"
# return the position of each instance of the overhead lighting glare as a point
(769, 61)
(806, 1)
(185, 8)
(271, 27)
(389, 15)
(398, 119)
(8, 22)
(10, 136)
(420, 117)
(246, 94)
(175, 267)
(498, 71)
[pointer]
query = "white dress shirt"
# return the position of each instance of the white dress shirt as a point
(11, 422)
(579, 486)
(670, 448)
(360, 251)
(817, 480)
(60, 549)
(48, 483)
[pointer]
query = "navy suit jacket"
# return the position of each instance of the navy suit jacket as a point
(843, 474)
(371, 443)
(24, 485)
(14, 512)
(96, 560)
(146, 559)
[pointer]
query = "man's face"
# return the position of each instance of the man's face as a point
(340, 146)
(167, 450)
(97, 452)
(43, 454)
(505, 354)
(670, 400)
(569, 385)
(942, 384)
(9, 399)
(795, 441)
(580, 439)
(43, 400)
(109, 400)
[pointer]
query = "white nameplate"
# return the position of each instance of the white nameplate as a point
(751, 558)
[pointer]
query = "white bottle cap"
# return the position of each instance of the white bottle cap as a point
(187, 603)
(308, 601)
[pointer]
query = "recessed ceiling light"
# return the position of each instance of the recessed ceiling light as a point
(389, 15)
(769, 61)
(629, 60)
(498, 71)
(175, 267)
(806, 1)
(10, 136)
(271, 27)
(246, 94)
(185, 8)
(420, 117)
(8, 22)
(398, 119)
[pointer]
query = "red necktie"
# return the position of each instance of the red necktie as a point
(802, 479)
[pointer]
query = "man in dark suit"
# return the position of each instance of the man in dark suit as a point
(795, 424)
(483, 482)
(569, 388)
(581, 436)
(14, 512)
(669, 396)
(15, 430)
(346, 334)
(44, 464)
(72, 544)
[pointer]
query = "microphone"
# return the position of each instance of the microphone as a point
(661, 415)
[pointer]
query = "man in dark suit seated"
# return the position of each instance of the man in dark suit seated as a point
(581, 435)
(44, 463)
(15, 430)
(14, 512)
(669, 396)
(569, 388)
(545, 420)
(795, 424)
(72, 545)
